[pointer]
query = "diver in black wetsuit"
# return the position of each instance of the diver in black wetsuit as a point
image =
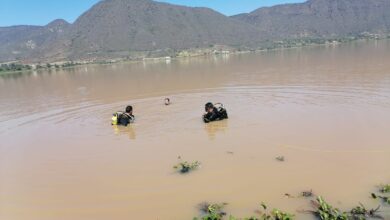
(127, 117)
(213, 113)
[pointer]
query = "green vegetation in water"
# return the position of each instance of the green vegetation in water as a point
(216, 212)
(212, 211)
(185, 166)
(322, 210)
(325, 211)
(385, 188)
(360, 212)
(275, 214)
(385, 199)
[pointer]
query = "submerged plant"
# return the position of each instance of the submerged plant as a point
(288, 195)
(185, 166)
(360, 212)
(280, 158)
(385, 199)
(307, 193)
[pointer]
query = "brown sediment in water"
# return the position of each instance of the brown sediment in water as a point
(326, 110)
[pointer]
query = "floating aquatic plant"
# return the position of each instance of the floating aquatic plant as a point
(383, 189)
(322, 210)
(185, 166)
(215, 212)
(212, 211)
(307, 193)
(279, 215)
(275, 214)
(325, 211)
(280, 158)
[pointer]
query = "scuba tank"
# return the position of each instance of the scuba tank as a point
(219, 106)
(115, 118)
(221, 110)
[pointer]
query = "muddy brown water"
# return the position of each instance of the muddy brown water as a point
(325, 109)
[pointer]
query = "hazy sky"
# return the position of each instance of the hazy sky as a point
(41, 12)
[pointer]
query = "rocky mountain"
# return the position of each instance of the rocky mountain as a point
(31, 42)
(115, 28)
(119, 28)
(322, 18)
(139, 25)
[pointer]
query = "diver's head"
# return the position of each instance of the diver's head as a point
(129, 109)
(209, 107)
(167, 101)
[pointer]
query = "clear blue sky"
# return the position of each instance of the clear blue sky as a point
(41, 12)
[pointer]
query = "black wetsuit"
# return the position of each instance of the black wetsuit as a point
(126, 119)
(215, 115)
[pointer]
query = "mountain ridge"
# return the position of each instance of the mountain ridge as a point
(120, 28)
(320, 18)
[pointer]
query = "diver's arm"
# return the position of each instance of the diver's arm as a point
(131, 118)
(206, 117)
(213, 116)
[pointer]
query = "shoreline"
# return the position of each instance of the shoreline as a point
(200, 52)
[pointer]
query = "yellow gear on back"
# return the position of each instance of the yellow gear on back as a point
(114, 119)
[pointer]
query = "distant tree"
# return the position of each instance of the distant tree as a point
(5, 67)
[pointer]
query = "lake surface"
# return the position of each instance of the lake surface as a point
(325, 109)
